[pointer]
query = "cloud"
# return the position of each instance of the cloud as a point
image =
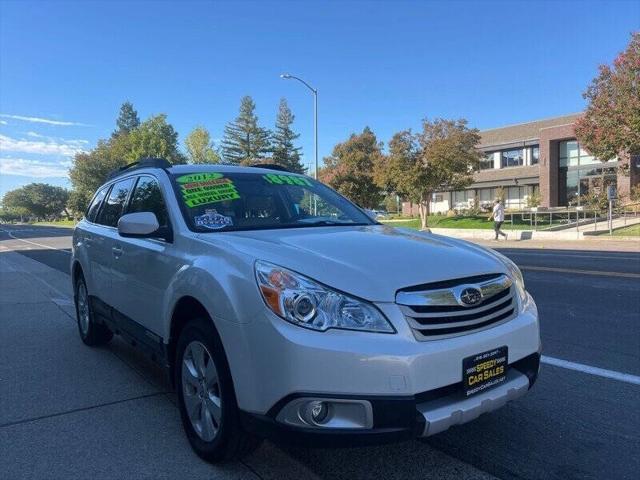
(56, 139)
(43, 120)
(4, 122)
(66, 148)
(33, 168)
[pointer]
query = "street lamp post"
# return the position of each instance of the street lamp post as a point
(287, 76)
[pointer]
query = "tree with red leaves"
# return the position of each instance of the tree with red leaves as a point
(611, 124)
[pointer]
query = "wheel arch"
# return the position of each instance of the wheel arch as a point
(185, 309)
(76, 272)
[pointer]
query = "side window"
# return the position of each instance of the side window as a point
(114, 206)
(92, 211)
(147, 197)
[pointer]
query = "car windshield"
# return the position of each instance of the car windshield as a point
(224, 201)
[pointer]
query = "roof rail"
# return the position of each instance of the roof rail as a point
(271, 166)
(142, 163)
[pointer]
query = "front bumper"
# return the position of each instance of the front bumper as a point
(401, 418)
(273, 359)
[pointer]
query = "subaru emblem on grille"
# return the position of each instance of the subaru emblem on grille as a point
(470, 296)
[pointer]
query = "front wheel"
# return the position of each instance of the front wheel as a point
(206, 397)
(91, 333)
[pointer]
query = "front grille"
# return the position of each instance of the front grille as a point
(435, 310)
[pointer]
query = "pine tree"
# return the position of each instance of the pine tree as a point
(244, 141)
(128, 119)
(285, 153)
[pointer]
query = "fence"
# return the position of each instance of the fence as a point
(564, 217)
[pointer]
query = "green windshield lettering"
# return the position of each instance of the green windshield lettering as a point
(205, 188)
(279, 179)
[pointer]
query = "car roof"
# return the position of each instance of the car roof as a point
(190, 168)
(147, 166)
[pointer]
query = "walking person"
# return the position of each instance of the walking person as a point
(498, 218)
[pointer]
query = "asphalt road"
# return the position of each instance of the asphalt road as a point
(573, 424)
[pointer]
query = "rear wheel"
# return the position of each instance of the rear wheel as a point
(206, 397)
(91, 333)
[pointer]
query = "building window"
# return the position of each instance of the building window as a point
(486, 162)
(535, 155)
(573, 155)
(511, 158)
(459, 196)
(485, 195)
(581, 173)
(514, 197)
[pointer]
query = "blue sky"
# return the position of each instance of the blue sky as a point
(65, 67)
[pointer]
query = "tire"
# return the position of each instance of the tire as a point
(91, 333)
(205, 394)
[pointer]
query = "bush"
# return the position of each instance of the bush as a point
(534, 200)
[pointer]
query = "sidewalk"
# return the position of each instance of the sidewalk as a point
(70, 411)
(528, 238)
(603, 226)
(586, 244)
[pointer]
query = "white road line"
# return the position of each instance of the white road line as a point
(600, 372)
(10, 233)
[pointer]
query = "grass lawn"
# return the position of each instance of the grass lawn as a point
(58, 223)
(479, 221)
(630, 231)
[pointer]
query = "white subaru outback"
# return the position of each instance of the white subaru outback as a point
(283, 310)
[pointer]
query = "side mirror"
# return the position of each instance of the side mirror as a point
(140, 224)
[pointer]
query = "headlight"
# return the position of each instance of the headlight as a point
(516, 276)
(306, 303)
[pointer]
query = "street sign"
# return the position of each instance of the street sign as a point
(611, 192)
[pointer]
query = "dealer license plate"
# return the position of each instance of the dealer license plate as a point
(484, 370)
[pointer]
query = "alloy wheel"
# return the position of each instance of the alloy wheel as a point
(201, 391)
(83, 308)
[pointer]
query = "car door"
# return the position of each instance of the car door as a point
(103, 247)
(86, 237)
(145, 266)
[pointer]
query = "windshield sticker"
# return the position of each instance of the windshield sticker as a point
(198, 177)
(205, 188)
(212, 220)
(279, 179)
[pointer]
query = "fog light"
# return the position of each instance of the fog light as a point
(316, 412)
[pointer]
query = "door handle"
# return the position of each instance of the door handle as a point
(117, 251)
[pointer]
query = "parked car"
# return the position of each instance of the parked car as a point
(282, 310)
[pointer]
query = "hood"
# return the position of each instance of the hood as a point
(370, 262)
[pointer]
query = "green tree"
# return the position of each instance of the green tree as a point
(155, 138)
(349, 169)
(244, 141)
(127, 119)
(440, 157)
(200, 147)
(285, 153)
(152, 138)
(40, 200)
(90, 169)
(611, 123)
(12, 214)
